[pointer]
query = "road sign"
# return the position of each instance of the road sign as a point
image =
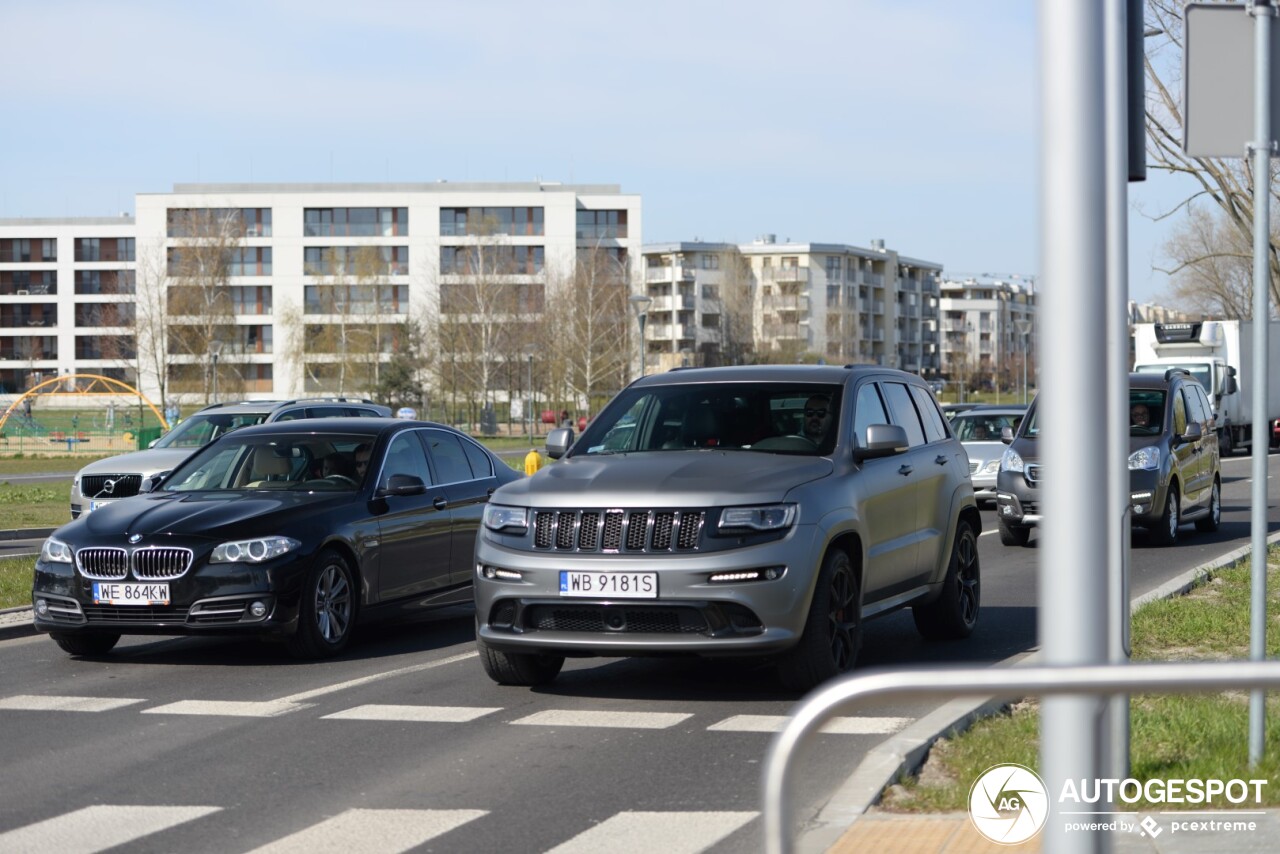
(1218, 80)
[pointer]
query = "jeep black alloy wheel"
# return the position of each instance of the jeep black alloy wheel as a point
(509, 668)
(327, 609)
(954, 613)
(832, 635)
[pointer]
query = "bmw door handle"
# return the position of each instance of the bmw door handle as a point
(440, 503)
(905, 470)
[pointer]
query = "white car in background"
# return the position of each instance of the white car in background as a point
(978, 430)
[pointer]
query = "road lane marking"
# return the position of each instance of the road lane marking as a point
(233, 708)
(52, 703)
(656, 833)
(97, 828)
(615, 720)
(371, 832)
(837, 726)
(365, 680)
(421, 714)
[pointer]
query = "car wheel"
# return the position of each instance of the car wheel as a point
(511, 668)
(1166, 530)
(327, 610)
(832, 635)
(85, 644)
(1013, 535)
(955, 612)
(1211, 522)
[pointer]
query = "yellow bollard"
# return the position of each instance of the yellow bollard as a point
(532, 461)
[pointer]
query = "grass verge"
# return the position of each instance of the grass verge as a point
(43, 505)
(15, 581)
(1175, 736)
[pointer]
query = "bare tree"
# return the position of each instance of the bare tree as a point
(1216, 277)
(592, 331)
(1224, 185)
(737, 315)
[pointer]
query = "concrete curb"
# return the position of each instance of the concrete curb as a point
(904, 753)
(26, 533)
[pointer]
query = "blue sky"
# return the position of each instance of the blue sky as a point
(840, 121)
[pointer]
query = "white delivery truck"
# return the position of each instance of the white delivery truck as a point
(1219, 353)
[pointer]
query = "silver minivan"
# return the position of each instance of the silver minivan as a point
(751, 511)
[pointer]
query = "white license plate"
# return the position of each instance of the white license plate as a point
(94, 505)
(121, 593)
(610, 585)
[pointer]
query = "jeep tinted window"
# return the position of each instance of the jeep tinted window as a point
(934, 425)
(867, 410)
(903, 412)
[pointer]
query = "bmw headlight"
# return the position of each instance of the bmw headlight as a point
(498, 517)
(253, 551)
(1147, 458)
(55, 551)
(769, 517)
(1010, 461)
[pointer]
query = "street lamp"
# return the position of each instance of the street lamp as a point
(1023, 328)
(640, 304)
(529, 350)
(215, 349)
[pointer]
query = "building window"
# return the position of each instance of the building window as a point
(19, 315)
(19, 250)
(515, 222)
(250, 261)
(251, 299)
(229, 222)
(106, 282)
(104, 314)
(27, 348)
(710, 262)
(24, 282)
(491, 260)
(355, 260)
(110, 347)
(355, 299)
(597, 225)
(355, 222)
(89, 249)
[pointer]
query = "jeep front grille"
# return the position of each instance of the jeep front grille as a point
(634, 531)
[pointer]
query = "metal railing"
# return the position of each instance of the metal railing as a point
(843, 695)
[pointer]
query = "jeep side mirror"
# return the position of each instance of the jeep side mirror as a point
(882, 440)
(1006, 435)
(558, 442)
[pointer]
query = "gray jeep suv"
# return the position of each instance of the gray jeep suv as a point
(121, 476)
(760, 511)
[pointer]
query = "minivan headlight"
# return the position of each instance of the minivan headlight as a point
(55, 551)
(1010, 461)
(768, 517)
(253, 551)
(1147, 458)
(498, 517)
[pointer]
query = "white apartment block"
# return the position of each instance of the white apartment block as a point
(68, 287)
(981, 328)
(834, 302)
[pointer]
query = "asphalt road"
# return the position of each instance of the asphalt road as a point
(225, 745)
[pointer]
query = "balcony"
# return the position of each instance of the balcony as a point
(657, 274)
(785, 302)
(785, 274)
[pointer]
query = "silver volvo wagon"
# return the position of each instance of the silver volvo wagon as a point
(762, 511)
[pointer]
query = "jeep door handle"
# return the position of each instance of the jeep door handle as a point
(940, 460)
(905, 470)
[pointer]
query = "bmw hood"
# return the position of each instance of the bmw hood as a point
(665, 479)
(145, 463)
(195, 515)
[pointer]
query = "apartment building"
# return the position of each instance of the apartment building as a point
(718, 302)
(987, 329)
(288, 264)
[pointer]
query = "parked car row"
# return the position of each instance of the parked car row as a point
(763, 511)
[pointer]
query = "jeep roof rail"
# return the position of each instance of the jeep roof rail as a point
(239, 403)
(1169, 374)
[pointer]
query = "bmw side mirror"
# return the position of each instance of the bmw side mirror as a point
(558, 442)
(403, 484)
(882, 440)
(1006, 435)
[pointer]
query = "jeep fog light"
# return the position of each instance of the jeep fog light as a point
(494, 573)
(771, 574)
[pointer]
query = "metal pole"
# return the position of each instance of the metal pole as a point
(1262, 12)
(529, 415)
(215, 378)
(1116, 753)
(640, 318)
(1073, 591)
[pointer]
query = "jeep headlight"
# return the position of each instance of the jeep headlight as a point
(1010, 461)
(768, 517)
(253, 551)
(498, 517)
(55, 551)
(1147, 458)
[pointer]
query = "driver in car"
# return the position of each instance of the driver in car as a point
(817, 418)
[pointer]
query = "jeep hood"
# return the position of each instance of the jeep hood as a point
(705, 478)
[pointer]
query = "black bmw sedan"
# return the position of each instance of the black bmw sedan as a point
(300, 529)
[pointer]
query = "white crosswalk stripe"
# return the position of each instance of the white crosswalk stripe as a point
(97, 828)
(836, 726)
(233, 708)
(371, 832)
(615, 720)
(656, 833)
(52, 703)
(423, 714)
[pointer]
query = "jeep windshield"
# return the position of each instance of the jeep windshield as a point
(784, 418)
